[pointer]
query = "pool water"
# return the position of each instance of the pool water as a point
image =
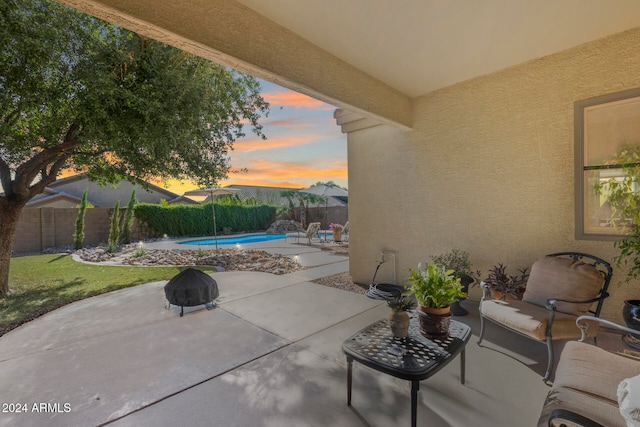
(232, 240)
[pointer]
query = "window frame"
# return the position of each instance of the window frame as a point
(579, 152)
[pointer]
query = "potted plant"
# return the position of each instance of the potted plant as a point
(336, 229)
(399, 318)
(503, 285)
(435, 290)
(620, 192)
(458, 261)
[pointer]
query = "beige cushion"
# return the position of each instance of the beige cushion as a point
(603, 412)
(587, 381)
(531, 320)
(563, 278)
(593, 370)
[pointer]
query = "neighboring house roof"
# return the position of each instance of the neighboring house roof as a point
(69, 191)
(54, 200)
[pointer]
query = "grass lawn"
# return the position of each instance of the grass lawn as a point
(42, 283)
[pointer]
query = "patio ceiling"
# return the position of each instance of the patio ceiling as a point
(418, 46)
(370, 57)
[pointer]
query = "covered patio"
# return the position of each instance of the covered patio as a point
(460, 123)
(268, 355)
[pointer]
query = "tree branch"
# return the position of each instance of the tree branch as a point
(29, 170)
(48, 178)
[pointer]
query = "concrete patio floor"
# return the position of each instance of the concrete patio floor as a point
(268, 355)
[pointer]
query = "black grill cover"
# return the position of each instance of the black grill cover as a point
(191, 287)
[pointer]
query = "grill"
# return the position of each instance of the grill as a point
(189, 288)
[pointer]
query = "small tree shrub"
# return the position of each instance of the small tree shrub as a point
(78, 235)
(127, 222)
(114, 231)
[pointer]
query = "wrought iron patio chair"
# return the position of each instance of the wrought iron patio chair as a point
(561, 287)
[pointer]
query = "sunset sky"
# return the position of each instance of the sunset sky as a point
(304, 145)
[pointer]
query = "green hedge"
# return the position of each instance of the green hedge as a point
(197, 220)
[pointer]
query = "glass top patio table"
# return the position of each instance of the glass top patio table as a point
(414, 358)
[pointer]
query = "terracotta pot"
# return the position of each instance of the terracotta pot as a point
(337, 236)
(399, 323)
(434, 322)
(500, 295)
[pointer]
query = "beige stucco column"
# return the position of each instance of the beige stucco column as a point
(375, 197)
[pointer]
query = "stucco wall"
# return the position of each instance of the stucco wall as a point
(488, 168)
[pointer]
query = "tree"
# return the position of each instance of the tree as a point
(78, 235)
(290, 195)
(305, 200)
(127, 221)
(80, 94)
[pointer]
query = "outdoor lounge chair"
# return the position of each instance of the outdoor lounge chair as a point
(560, 288)
(345, 232)
(310, 233)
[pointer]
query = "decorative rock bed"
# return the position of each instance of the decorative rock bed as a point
(223, 259)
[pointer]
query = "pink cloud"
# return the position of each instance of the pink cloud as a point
(293, 99)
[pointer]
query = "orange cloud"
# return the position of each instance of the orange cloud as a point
(293, 99)
(289, 174)
(248, 145)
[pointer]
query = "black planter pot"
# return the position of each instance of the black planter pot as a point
(631, 313)
(456, 308)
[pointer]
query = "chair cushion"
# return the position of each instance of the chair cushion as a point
(593, 370)
(604, 412)
(531, 319)
(563, 278)
(586, 382)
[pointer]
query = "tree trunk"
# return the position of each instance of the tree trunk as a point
(303, 216)
(9, 216)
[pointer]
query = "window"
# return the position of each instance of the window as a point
(602, 126)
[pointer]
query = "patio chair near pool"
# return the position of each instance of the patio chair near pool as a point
(310, 233)
(345, 232)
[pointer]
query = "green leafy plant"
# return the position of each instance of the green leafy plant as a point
(458, 261)
(499, 280)
(140, 250)
(434, 286)
(401, 303)
(202, 253)
(622, 194)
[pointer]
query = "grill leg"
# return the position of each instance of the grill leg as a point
(181, 311)
(349, 379)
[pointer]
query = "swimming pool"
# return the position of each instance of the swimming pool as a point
(232, 240)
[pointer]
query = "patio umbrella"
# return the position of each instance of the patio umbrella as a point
(326, 190)
(212, 191)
